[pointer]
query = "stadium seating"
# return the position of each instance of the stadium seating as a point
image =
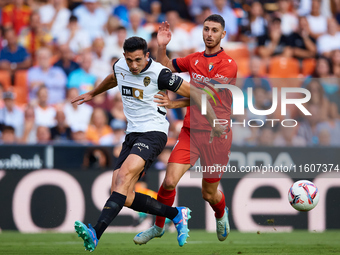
(239, 52)
(284, 67)
(308, 66)
(5, 79)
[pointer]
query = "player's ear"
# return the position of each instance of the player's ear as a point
(147, 55)
(223, 34)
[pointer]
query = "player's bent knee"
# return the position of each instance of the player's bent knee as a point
(169, 184)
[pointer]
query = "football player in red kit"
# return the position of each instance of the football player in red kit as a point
(205, 69)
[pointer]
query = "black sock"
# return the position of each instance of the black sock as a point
(111, 209)
(147, 204)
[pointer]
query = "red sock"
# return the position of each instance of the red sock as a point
(166, 197)
(219, 207)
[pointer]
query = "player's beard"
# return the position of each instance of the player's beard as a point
(212, 45)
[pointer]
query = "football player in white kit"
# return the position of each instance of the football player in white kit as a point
(139, 79)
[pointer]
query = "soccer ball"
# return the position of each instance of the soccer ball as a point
(303, 195)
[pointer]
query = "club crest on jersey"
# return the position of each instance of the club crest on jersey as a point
(123, 75)
(211, 66)
(146, 81)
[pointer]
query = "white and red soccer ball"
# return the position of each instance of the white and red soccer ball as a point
(303, 195)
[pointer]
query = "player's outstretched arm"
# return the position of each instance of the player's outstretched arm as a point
(163, 38)
(162, 99)
(108, 83)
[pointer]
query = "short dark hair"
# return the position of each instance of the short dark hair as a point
(8, 128)
(73, 18)
(216, 18)
(135, 43)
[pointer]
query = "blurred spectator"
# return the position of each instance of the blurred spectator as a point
(118, 135)
(335, 100)
(274, 43)
(227, 13)
(35, 35)
(318, 98)
(287, 137)
(266, 137)
(91, 17)
(44, 114)
(261, 101)
(110, 35)
(122, 10)
(335, 58)
(76, 38)
(336, 4)
(30, 129)
(180, 39)
(102, 101)
(324, 138)
(2, 103)
(8, 135)
(61, 132)
(330, 41)
(81, 78)
(118, 127)
(162, 159)
(307, 127)
(52, 77)
(303, 7)
(153, 46)
(317, 22)
(332, 128)
(289, 22)
(100, 66)
(78, 135)
(178, 6)
(13, 56)
(254, 25)
(15, 15)
(327, 79)
(136, 16)
(65, 61)
(11, 115)
(241, 133)
(255, 79)
(98, 126)
(117, 110)
(116, 48)
(43, 135)
(153, 11)
(196, 6)
(77, 116)
(54, 16)
(304, 45)
(197, 43)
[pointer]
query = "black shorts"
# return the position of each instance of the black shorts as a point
(147, 145)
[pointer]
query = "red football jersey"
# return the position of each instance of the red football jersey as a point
(206, 70)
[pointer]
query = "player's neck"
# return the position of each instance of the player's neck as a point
(209, 51)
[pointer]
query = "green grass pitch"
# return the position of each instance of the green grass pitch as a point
(200, 242)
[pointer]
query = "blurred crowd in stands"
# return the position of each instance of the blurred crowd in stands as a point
(53, 50)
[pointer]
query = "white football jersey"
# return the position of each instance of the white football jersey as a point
(138, 92)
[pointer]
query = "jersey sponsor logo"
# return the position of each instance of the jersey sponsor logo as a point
(172, 80)
(123, 75)
(141, 145)
(146, 81)
(211, 66)
(132, 92)
(200, 78)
